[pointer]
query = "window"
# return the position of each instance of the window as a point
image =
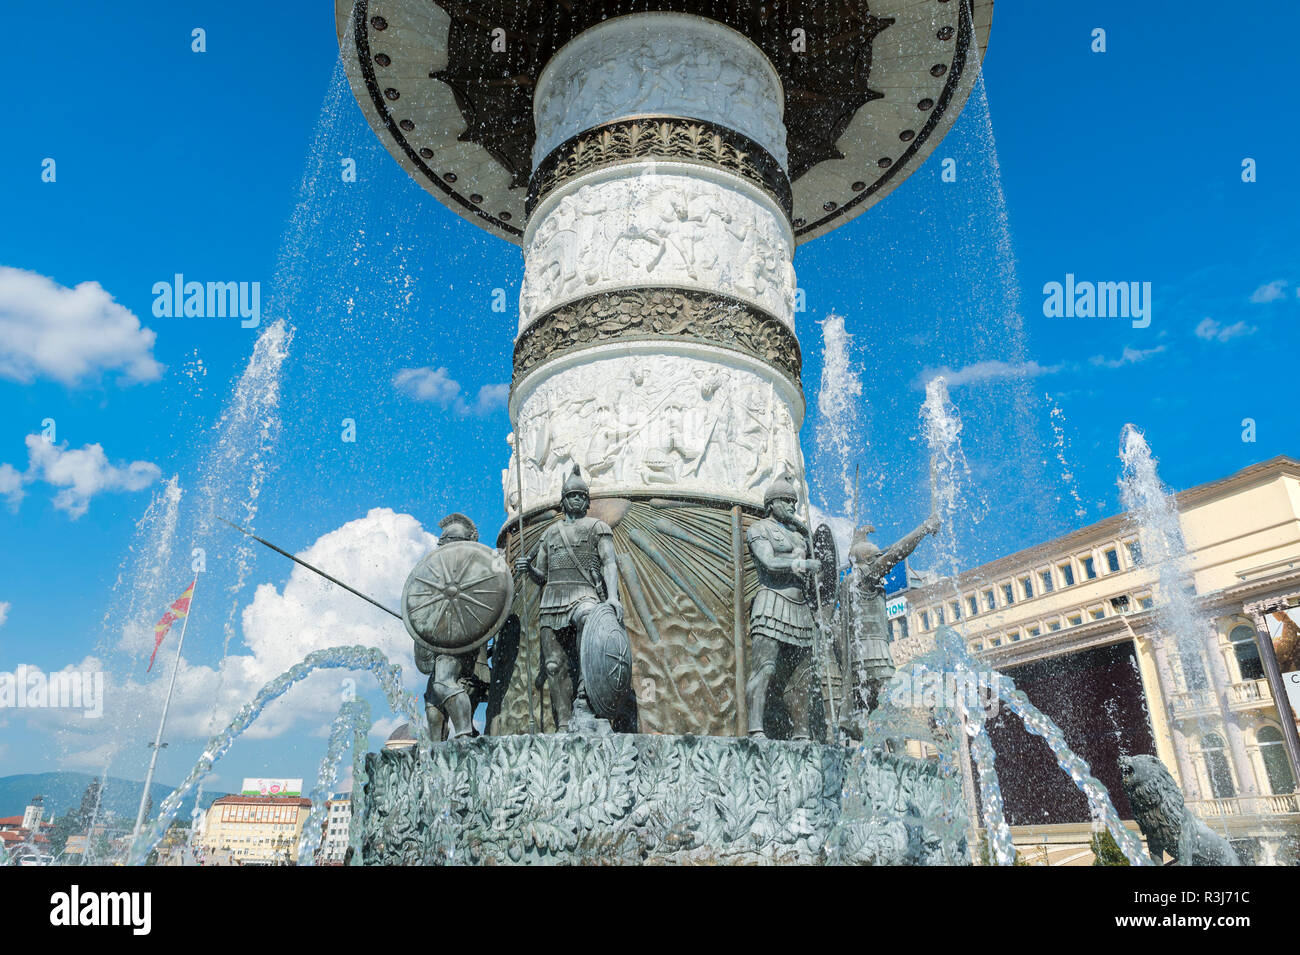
(1027, 587)
(1247, 652)
(972, 606)
(1046, 577)
(1089, 568)
(1146, 603)
(1112, 560)
(1273, 753)
(1053, 625)
(1096, 613)
(1008, 594)
(925, 620)
(1034, 631)
(1216, 766)
(1014, 636)
(1067, 575)
(955, 607)
(989, 602)
(1134, 553)
(938, 616)
(1119, 604)
(1075, 619)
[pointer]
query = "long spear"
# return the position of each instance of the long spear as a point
(314, 570)
(528, 660)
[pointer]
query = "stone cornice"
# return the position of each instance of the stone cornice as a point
(1117, 525)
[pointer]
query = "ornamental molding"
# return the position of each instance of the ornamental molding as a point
(667, 138)
(657, 314)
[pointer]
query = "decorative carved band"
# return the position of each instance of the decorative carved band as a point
(669, 138)
(656, 314)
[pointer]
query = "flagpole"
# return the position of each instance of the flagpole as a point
(157, 743)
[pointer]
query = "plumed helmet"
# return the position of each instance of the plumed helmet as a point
(782, 487)
(574, 482)
(861, 549)
(457, 527)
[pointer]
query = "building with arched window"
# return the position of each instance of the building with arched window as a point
(1076, 622)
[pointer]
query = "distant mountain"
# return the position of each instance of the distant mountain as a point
(62, 792)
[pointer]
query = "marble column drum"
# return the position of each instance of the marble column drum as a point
(658, 270)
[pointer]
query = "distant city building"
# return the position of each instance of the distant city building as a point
(26, 837)
(253, 830)
(336, 831)
(1074, 622)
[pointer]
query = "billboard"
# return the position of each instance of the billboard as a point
(272, 787)
(1284, 630)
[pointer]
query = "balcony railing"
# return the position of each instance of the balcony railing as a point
(1249, 693)
(1285, 804)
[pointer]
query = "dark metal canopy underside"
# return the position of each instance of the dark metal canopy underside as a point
(869, 95)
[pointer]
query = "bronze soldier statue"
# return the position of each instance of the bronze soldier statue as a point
(781, 624)
(574, 562)
(458, 683)
(864, 622)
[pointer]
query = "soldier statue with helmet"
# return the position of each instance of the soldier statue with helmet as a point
(458, 683)
(782, 627)
(863, 638)
(585, 654)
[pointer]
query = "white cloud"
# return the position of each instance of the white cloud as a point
(280, 627)
(81, 473)
(1270, 292)
(1129, 356)
(437, 386)
(4, 611)
(69, 334)
(988, 371)
(1211, 331)
(11, 485)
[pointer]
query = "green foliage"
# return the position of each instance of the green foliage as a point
(1106, 851)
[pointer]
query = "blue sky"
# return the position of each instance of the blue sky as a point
(1116, 166)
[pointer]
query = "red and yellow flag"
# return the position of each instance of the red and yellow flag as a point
(179, 608)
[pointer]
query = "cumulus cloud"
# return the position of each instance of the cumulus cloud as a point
(1211, 331)
(48, 330)
(1268, 292)
(436, 385)
(4, 612)
(11, 486)
(281, 625)
(80, 473)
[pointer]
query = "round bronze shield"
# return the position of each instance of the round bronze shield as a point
(457, 597)
(606, 660)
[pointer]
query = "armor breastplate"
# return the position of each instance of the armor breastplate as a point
(571, 570)
(785, 544)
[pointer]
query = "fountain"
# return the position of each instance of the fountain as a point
(647, 158)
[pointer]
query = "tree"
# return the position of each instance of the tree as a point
(89, 803)
(1106, 850)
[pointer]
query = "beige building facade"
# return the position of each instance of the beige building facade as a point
(254, 830)
(1212, 717)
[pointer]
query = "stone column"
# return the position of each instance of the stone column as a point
(1182, 754)
(656, 343)
(1232, 726)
